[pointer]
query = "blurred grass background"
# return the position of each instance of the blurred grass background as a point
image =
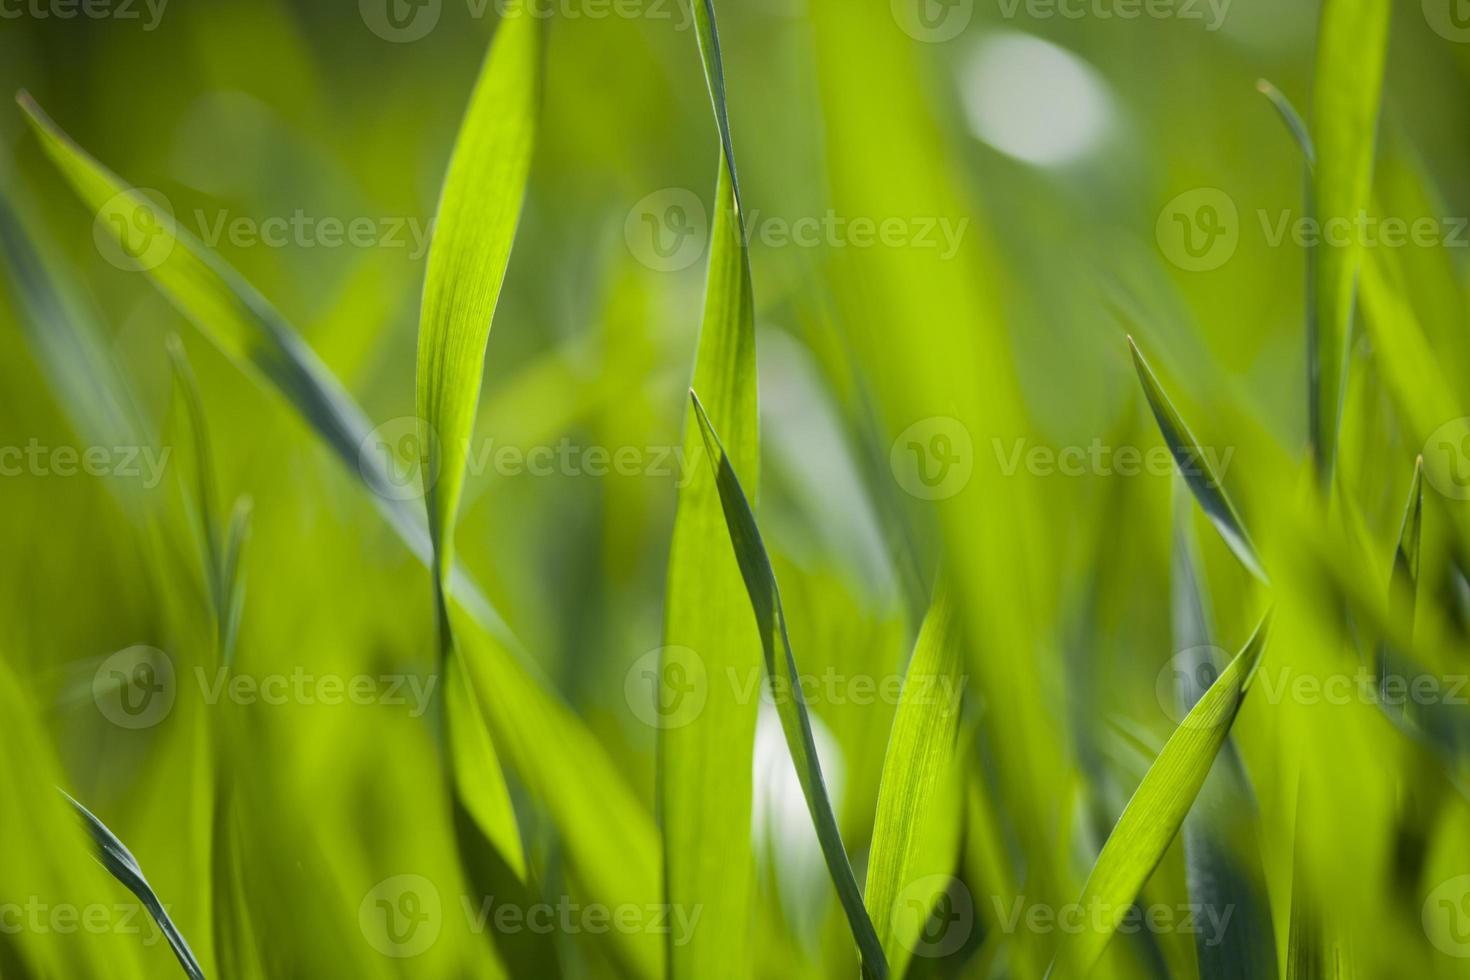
(1059, 141)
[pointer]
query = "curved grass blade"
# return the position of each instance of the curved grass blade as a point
(1222, 848)
(1197, 469)
(474, 228)
(1157, 810)
(918, 761)
(119, 861)
(1352, 43)
(765, 600)
(705, 766)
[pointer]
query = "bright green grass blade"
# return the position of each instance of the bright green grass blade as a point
(919, 759)
(121, 864)
(1194, 464)
(204, 490)
(479, 206)
(705, 762)
(1222, 848)
(478, 771)
(1352, 43)
(1158, 808)
(765, 600)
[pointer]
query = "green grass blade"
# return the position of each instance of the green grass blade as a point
(919, 758)
(765, 600)
(1158, 808)
(121, 864)
(704, 766)
(1194, 465)
(475, 226)
(1222, 847)
(1352, 44)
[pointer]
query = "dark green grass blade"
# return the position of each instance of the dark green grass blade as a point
(765, 600)
(1195, 466)
(119, 861)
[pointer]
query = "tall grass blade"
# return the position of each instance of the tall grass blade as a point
(784, 681)
(121, 864)
(1352, 43)
(919, 760)
(704, 763)
(1196, 468)
(1157, 810)
(475, 226)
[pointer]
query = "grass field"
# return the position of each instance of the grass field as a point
(955, 489)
